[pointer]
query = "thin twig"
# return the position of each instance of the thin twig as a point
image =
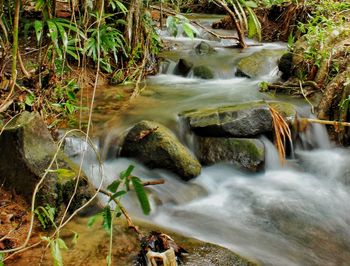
(123, 210)
(305, 97)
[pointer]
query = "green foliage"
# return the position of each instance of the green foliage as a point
(66, 99)
(63, 34)
(141, 195)
(174, 23)
(264, 86)
(46, 215)
(56, 245)
(322, 29)
(2, 257)
(107, 40)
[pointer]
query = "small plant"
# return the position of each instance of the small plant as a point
(115, 191)
(46, 215)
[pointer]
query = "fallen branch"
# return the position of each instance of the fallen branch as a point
(325, 122)
(292, 86)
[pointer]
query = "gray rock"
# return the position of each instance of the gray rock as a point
(259, 63)
(26, 151)
(183, 67)
(248, 154)
(242, 120)
(203, 72)
(204, 48)
(157, 147)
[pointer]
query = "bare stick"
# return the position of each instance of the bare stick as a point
(123, 210)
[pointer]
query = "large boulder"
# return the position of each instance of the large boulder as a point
(248, 154)
(157, 147)
(259, 63)
(242, 120)
(26, 152)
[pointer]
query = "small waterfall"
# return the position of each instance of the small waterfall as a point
(272, 160)
(315, 136)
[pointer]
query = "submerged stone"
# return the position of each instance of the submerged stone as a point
(26, 152)
(203, 72)
(242, 120)
(204, 48)
(248, 154)
(157, 147)
(183, 67)
(259, 63)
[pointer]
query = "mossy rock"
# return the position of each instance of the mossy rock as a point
(26, 152)
(204, 48)
(183, 67)
(259, 63)
(203, 72)
(248, 119)
(157, 147)
(248, 154)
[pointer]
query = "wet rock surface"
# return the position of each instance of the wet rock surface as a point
(26, 152)
(259, 63)
(203, 72)
(204, 48)
(248, 154)
(242, 120)
(157, 147)
(183, 67)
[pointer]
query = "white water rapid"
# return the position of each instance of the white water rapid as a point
(296, 214)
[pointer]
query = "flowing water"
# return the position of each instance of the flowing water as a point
(297, 214)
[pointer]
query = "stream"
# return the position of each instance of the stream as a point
(296, 214)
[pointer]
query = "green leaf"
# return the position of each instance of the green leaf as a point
(113, 187)
(61, 244)
(71, 95)
(63, 34)
(187, 29)
(255, 23)
(171, 24)
(75, 238)
(251, 27)
(30, 99)
(2, 259)
(141, 195)
(70, 107)
(117, 195)
(53, 31)
(93, 219)
(38, 26)
(56, 253)
(251, 4)
(107, 219)
(127, 172)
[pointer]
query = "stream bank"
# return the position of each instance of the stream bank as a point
(274, 216)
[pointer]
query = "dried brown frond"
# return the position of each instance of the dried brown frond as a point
(281, 133)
